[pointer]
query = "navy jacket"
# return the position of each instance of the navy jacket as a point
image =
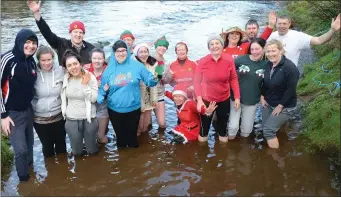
(18, 75)
(281, 87)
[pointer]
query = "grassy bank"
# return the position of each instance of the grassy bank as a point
(6, 156)
(321, 118)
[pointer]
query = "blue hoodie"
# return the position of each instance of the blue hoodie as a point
(18, 75)
(124, 84)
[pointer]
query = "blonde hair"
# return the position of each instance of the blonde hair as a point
(278, 44)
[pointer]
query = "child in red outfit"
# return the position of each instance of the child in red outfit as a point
(188, 114)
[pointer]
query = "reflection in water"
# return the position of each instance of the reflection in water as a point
(160, 168)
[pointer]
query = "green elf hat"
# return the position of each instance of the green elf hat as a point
(161, 42)
(126, 33)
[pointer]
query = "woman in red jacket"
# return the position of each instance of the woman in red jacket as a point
(188, 114)
(214, 76)
(181, 71)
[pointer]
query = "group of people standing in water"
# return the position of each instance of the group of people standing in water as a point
(80, 96)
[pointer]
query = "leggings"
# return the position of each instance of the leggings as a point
(52, 137)
(222, 111)
(125, 126)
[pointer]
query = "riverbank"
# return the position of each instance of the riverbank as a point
(319, 88)
(6, 156)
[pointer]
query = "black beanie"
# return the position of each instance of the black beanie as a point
(119, 44)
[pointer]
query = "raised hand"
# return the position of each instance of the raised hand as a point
(33, 5)
(272, 18)
(85, 78)
(335, 25)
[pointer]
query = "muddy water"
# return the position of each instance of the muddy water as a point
(159, 167)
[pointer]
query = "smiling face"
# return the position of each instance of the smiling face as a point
(30, 47)
(283, 26)
(77, 36)
(234, 38)
(215, 47)
(273, 53)
(181, 51)
(46, 61)
(143, 54)
(73, 66)
(256, 51)
(97, 60)
(161, 50)
(121, 54)
(252, 31)
(179, 99)
(129, 41)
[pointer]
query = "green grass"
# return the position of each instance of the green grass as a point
(321, 116)
(6, 156)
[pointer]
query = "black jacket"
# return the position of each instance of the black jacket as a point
(18, 75)
(281, 88)
(62, 44)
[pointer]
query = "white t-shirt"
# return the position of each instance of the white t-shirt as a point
(293, 43)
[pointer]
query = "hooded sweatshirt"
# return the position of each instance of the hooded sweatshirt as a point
(46, 101)
(124, 78)
(18, 75)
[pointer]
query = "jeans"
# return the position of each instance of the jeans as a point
(22, 139)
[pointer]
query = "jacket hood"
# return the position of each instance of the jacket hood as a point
(113, 61)
(22, 36)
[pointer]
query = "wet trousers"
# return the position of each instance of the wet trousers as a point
(78, 130)
(125, 126)
(52, 137)
(22, 139)
(222, 111)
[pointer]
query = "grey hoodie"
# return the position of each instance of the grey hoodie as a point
(47, 89)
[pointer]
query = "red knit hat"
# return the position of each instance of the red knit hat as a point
(77, 25)
(180, 90)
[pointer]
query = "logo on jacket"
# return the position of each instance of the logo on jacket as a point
(123, 79)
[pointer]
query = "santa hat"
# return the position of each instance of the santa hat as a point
(161, 42)
(77, 25)
(180, 91)
(126, 33)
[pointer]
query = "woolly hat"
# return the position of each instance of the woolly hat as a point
(233, 29)
(138, 46)
(77, 25)
(214, 37)
(126, 33)
(119, 44)
(180, 90)
(161, 42)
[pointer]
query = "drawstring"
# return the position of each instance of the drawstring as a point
(42, 76)
(80, 125)
(53, 84)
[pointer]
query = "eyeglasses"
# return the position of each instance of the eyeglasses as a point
(120, 51)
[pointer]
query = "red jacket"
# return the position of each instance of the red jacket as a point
(188, 114)
(89, 67)
(213, 79)
(183, 75)
(244, 47)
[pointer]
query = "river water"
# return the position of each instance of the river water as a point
(158, 167)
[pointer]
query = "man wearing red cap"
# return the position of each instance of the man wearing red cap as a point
(129, 38)
(76, 30)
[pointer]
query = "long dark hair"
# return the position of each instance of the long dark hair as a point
(226, 43)
(260, 41)
(150, 60)
(68, 54)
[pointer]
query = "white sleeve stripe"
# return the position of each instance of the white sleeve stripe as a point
(3, 64)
